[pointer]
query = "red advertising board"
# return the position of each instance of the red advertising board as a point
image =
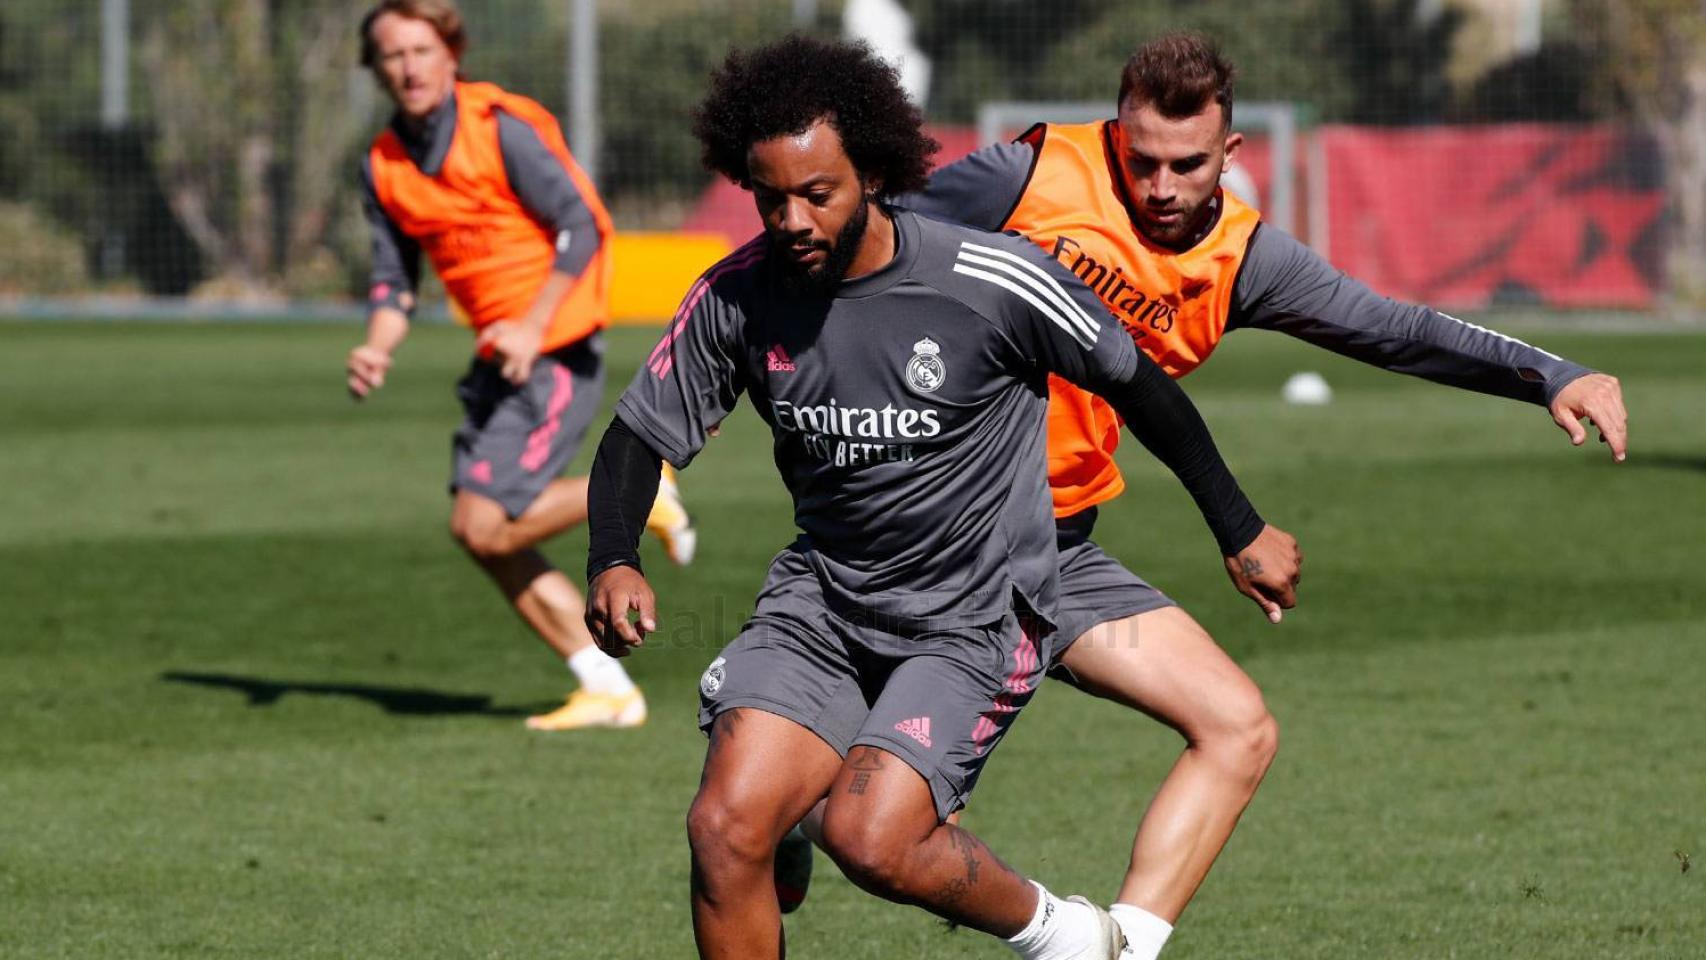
(1514, 213)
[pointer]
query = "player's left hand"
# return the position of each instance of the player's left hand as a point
(516, 345)
(1597, 397)
(1268, 571)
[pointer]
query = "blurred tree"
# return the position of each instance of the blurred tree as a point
(653, 71)
(251, 101)
(1550, 85)
(1655, 56)
(1283, 51)
(1393, 56)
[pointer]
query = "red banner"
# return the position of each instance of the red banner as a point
(1477, 216)
(1455, 217)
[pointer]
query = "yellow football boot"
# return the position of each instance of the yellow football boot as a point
(584, 709)
(670, 523)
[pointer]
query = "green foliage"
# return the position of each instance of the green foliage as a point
(256, 135)
(653, 76)
(41, 258)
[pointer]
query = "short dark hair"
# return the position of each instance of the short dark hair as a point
(784, 87)
(1179, 74)
(445, 19)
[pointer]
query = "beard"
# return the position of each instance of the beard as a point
(1182, 231)
(822, 279)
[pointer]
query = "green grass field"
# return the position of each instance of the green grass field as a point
(253, 703)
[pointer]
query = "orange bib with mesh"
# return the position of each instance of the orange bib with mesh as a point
(1174, 303)
(490, 253)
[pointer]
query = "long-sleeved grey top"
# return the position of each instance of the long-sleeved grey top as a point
(1285, 286)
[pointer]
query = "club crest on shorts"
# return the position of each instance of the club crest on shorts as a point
(925, 371)
(712, 680)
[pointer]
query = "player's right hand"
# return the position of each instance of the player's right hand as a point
(1268, 571)
(610, 597)
(365, 368)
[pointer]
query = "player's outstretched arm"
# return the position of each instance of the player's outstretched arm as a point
(1597, 397)
(1287, 287)
(620, 491)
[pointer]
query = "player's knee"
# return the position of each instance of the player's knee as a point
(724, 837)
(483, 541)
(1248, 737)
(871, 855)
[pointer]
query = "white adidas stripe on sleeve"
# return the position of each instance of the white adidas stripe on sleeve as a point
(1087, 341)
(1031, 275)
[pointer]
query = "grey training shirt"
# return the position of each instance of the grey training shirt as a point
(1285, 286)
(907, 412)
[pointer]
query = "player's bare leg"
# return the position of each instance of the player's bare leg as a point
(547, 600)
(561, 506)
(1166, 665)
(540, 593)
(880, 826)
(762, 773)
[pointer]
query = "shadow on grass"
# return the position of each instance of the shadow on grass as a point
(411, 702)
(1670, 461)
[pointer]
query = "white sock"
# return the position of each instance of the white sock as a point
(599, 672)
(1059, 930)
(1145, 933)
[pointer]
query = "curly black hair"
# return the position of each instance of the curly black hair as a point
(784, 87)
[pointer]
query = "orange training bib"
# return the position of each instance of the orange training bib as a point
(492, 256)
(1174, 303)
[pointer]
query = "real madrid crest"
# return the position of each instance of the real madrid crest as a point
(925, 371)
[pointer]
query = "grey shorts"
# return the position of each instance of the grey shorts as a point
(942, 709)
(1095, 589)
(514, 441)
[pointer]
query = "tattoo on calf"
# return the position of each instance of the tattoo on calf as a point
(967, 846)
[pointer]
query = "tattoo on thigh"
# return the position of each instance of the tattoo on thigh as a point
(861, 781)
(866, 759)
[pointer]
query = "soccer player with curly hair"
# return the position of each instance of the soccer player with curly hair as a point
(902, 366)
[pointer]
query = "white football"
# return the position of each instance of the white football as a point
(1307, 389)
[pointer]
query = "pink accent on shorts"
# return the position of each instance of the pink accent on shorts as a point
(539, 441)
(917, 728)
(663, 355)
(1018, 684)
(481, 472)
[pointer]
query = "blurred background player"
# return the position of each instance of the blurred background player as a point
(481, 181)
(1133, 207)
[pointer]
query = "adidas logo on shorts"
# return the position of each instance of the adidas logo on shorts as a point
(917, 728)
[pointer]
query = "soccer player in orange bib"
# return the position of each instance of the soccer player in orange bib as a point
(481, 181)
(1133, 207)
